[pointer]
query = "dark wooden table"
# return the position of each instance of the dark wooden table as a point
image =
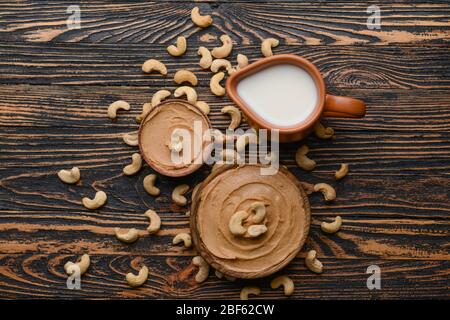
(55, 87)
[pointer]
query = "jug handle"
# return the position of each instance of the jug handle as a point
(343, 107)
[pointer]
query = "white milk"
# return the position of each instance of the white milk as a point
(283, 95)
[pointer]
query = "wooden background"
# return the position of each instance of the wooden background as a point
(56, 84)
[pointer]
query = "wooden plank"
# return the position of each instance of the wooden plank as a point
(351, 67)
(312, 23)
(42, 276)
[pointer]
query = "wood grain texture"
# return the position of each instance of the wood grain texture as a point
(311, 23)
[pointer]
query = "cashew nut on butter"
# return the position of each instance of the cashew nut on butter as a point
(246, 291)
(159, 96)
(149, 185)
(215, 85)
(302, 160)
(154, 65)
(235, 115)
(206, 57)
(155, 221)
(235, 224)
(139, 280)
(225, 50)
(176, 141)
(322, 132)
(217, 64)
(312, 262)
(203, 269)
(99, 200)
(342, 172)
(267, 45)
(203, 106)
(328, 191)
(135, 166)
(118, 105)
(82, 264)
(69, 176)
(256, 230)
(183, 237)
(286, 282)
(242, 61)
(178, 194)
(199, 20)
(332, 227)
(258, 210)
(129, 236)
(191, 94)
(185, 76)
(179, 49)
(131, 139)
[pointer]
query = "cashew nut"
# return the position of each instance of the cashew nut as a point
(235, 115)
(206, 58)
(286, 282)
(267, 45)
(342, 172)
(69, 176)
(203, 269)
(155, 221)
(271, 157)
(154, 65)
(83, 265)
(176, 141)
(225, 49)
(159, 96)
(332, 227)
(259, 212)
(246, 291)
(312, 262)
(113, 107)
(256, 230)
(128, 237)
(178, 194)
(188, 213)
(328, 191)
(183, 237)
(302, 160)
(322, 132)
(199, 20)
(217, 64)
(146, 107)
(185, 76)
(243, 140)
(135, 166)
(179, 49)
(229, 156)
(97, 202)
(203, 106)
(131, 139)
(242, 61)
(139, 280)
(235, 224)
(215, 86)
(190, 93)
(149, 185)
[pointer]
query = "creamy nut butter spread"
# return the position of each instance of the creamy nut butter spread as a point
(232, 189)
(156, 132)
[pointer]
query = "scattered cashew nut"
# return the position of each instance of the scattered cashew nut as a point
(146, 107)
(183, 237)
(99, 200)
(322, 132)
(185, 76)
(215, 85)
(217, 64)
(190, 93)
(313, 263)
(159, 96)
(203, 106)
(331, 227)
(118, 105)
(178, 194)
(155, 221)
(179, 49)
(286, 282)
(135, 166)
(149, 185)
(242, 61)
(128, 237)
(235, 115)
(139, 280)
(131, 139)
(225, 49)
(246, 291)
(328, 191)
(267, 45)
(83, 265)
(199, 20)
(256, 230)
(235, 223)
(69, 176)
(154, 65)
(203, 269)
(243, 140)
(342, 172)
(302, 160)
(206, 58)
